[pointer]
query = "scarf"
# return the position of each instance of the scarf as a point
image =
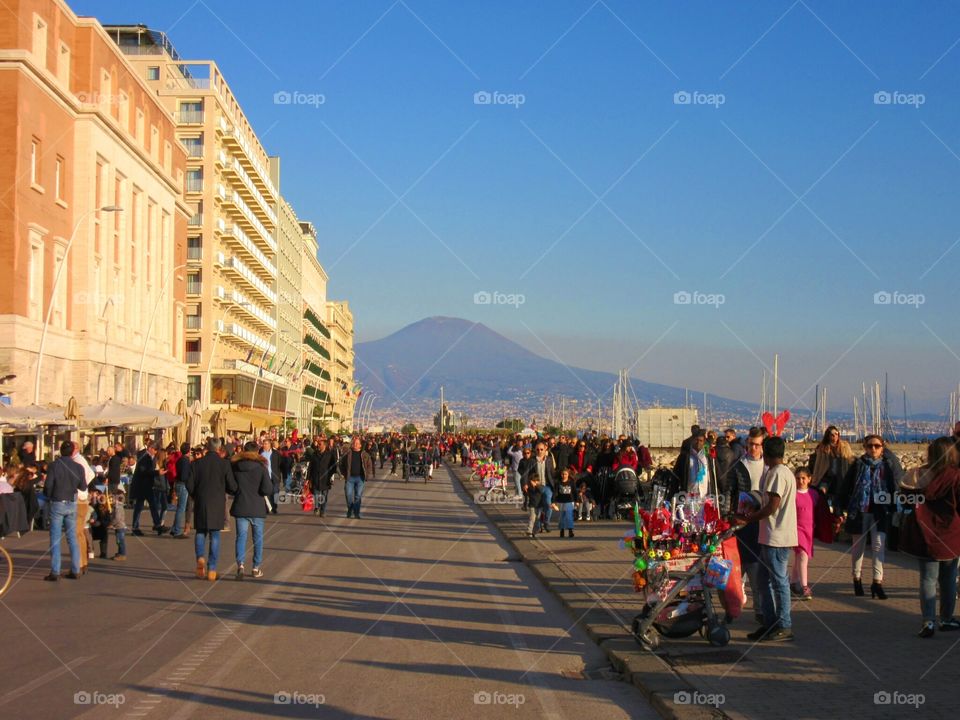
(869, 483)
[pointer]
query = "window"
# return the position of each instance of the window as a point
(193, 283)
(36, 153)
(138, 133)
(194, 145)
(195, 180)
(59, 179)
(35, 273)
(60, 298)
(193, 388)
(154, 143)
(153, 72)
(40, 40)
(63, 65)
(98, 203)
(119, 190)
(194, 248)
(123, 116)
(191, 112)
(134, 229)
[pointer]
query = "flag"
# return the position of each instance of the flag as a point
(356, 389)
(270, 364)
(249, 355)
(262, 358)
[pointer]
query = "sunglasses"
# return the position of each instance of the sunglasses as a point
(874, 445)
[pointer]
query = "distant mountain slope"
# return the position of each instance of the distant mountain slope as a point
(474, 363)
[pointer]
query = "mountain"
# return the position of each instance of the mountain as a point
(474, 364)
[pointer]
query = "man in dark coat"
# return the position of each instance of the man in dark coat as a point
(116, 456)
(250, 486)
(28, 456)
(141, 489)
(357, 468)
(323, 463)
(207, 485)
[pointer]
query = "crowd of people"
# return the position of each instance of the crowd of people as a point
(84, 497)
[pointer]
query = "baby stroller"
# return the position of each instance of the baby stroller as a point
(684, 605)
(601, 487)
(298, 477)
(626, 492)
(415, 465)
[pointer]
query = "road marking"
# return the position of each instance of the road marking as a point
(43, 679)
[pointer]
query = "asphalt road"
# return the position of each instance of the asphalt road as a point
(415, 610)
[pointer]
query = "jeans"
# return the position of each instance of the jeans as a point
(320, 500)
(138, 508)
(774, 587)
(516, 480)
(878, 543)
(288, 481)
(121, 541)
(200, 545)
(180, 489)
(932, 574)
(63, 519)
(160, 503)
(534, 517)
(257, 524)
(354, 492)
(585, 510)
(566, 516)
(547, 510)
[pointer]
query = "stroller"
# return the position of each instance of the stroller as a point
(682, 601)
(415, 464)
(299, 477)
(626, 492)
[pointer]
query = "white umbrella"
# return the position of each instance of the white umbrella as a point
(195, 418)
(114, 414)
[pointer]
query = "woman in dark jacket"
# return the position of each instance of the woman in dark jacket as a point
(250, 486)
(866, 498)
(320, 471)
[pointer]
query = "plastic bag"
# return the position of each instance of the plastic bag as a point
(307, 502)
(717, 573)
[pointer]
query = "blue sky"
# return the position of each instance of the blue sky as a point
(784, 185)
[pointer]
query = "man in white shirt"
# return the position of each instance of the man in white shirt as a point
(778, 534)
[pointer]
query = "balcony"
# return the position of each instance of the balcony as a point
(194, 184)
(194, 287)
(254, 371)
(315, 345)
(247, 306)
(235, 268)
(190, 117)
(310, 315)
(194, 322)
(194, 252)
(234, 168)
(193, 357)
(245, 246)
(196, 220)
(232, 200)
(236, 138)
(246, 337)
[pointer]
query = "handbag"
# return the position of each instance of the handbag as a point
(307, 503)
(911, 540)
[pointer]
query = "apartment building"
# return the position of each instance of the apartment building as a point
(93, 221)
(316, 405)
(340, 323)
(232, 327)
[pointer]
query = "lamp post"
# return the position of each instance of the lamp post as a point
(146, 340)
(53, 292)
(358, 411)
(366, 422)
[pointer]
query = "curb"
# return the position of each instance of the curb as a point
(650, 673)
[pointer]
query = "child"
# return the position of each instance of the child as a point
(806, 505)
(100, 525)
(118, 522)
(534, 500)
(564, 501)
(584, 503)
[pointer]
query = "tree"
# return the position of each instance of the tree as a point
(515, 424)
(408, 429)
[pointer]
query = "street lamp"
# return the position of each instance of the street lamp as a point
(156, 309)
(366, 422)
(53, 292)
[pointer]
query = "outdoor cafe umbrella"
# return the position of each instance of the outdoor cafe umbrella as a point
(166, 435)
(195, 418)
(180, 431)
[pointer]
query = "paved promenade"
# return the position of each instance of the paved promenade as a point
(851, 654)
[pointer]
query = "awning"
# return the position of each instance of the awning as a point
(114, 414)
(247, 420)
(31, 416)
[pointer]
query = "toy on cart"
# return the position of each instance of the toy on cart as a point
(687, 568)
(493, 476)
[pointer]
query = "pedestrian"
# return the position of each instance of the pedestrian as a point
(180, 492)
(273, 464)
(777, 516)
(544, 468)
(535, 498)
(64, 480)
(322, 465)
(830, 461)
(356, 466)
(933, 534)
(806, 513)
(141, 488)
(250, 486)
(748, 474)
(207, 485)
(865, 499)
(565, 498)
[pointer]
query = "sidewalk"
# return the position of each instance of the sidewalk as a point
(853, 657)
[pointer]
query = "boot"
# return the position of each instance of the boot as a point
(858, 587)
(562, 532)
(876, 591)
